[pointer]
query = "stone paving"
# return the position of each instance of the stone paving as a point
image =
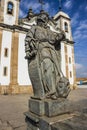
(12, 108)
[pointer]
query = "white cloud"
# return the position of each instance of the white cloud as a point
(68, 4)
(81, 30)
(85, 74)
(21, 13)
(78, 66)
(46, 6)
(74, 19)
(32, 4)
(86, 8)
(82, 25)
(81, 70)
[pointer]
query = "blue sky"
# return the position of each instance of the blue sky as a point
(77, 10)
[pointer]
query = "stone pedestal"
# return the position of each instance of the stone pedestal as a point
(50, 107)
(32, 121)
(57, 107)
(36, 107)
(75, 123)
(43, 114)
(35, 122)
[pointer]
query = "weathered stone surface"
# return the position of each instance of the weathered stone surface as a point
(5, 125)
(57, 107)
(36, 106)
(42, 48)
(35, 79)
(16, 89)
(50, 107)
(32, 121)
(35, 122)
(75, 123)
(21, 128)
(45, 123)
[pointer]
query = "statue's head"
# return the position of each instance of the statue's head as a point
(42, 18)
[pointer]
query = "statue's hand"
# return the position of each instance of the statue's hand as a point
(60, 37)
(30, 49)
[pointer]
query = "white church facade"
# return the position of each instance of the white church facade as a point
(13, 66)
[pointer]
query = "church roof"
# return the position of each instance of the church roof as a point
(61, 13)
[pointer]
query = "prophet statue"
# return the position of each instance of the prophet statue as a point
(42, 47)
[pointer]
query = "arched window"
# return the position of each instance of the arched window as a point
(66, 27)
(10, 8)
(70, 74)
(6, 52)
(5, 71)
(70, 60)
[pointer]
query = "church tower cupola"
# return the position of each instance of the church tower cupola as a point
(9, 10)
(63, 22)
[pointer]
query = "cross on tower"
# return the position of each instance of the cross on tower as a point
(42, 3)
(60, 4)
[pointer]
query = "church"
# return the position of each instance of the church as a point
(14, 78)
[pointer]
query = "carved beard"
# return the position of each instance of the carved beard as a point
(42, 23)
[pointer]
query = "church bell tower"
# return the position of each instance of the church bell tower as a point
(9, 10)
(63, 22)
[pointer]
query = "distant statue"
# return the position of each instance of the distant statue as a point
(42, 47)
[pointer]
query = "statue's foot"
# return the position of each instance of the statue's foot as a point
(48, 95)
(53, 97)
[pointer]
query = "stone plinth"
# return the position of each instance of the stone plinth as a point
(76, 123)
(57, 107)
(50, 107)
(44, 113)
(35, 122)
(32, 121)
(36, 106)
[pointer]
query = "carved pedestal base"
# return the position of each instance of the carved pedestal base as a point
(60, 122)
(36, 107)
(57, 107)
(32, 121)
(43, 114)
(50, 107)
(35, 122)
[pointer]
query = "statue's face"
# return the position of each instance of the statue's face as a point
(42, 20)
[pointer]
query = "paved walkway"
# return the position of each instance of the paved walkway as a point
(12, 108)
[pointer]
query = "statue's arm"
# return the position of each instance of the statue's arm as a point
(55, 38)
(60, 36)
(30, 47)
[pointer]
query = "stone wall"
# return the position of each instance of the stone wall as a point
(21, 89)
(16, 89)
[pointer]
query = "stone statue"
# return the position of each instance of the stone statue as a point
(42, 47)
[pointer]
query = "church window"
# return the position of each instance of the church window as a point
(70, 74)
(10, 8)
(5, 71)
(6, 52)
(66, 27)
(70, 60)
